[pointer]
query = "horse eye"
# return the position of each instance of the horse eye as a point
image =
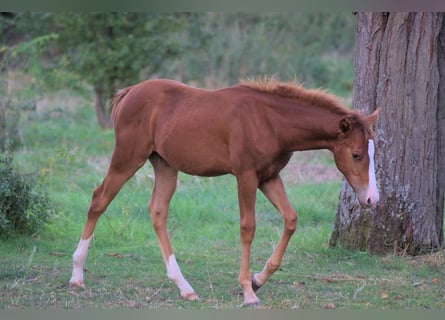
(356, 157)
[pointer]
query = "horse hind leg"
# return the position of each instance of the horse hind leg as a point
(122, 167)
(164, 188)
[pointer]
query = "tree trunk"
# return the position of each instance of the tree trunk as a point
(101, 114)
(400, 66)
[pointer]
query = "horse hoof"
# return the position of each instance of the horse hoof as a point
(255, 285)
(250, 299)
(190, 296)
(253, 303)
(77, 284)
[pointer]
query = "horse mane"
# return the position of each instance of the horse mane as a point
(317, 97)
(294, 90)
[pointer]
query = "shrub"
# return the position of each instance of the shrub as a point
(25, 207)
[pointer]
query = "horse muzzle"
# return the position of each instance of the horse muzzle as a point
(369, 197)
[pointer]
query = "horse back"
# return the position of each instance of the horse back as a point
(197, 131)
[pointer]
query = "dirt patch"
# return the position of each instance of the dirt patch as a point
(435, 259)
(59, 101)
(312, 173)
(310, 167)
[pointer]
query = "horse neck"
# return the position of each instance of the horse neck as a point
(309, 128)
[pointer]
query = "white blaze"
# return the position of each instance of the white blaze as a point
(372, 194)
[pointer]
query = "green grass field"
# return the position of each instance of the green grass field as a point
(124, 267)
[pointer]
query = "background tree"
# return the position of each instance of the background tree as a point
(400, 65)
(112, 50)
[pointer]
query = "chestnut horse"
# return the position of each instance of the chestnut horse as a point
(249, 130)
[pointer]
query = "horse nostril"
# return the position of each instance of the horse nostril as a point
(368, 201)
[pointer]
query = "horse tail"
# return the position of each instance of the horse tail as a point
(115, 101)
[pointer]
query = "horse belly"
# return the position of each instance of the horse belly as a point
(200, 153)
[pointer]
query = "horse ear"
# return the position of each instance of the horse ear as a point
(373, 116)
(344, 125)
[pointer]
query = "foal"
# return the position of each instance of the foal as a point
(249, 130)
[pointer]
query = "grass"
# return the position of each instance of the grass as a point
(124, 266)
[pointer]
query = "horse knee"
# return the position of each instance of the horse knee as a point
(97, 206)
(247, 230)
(272, 266)
(95, 210)
(98, 203)
(290, 223)
(158, 216)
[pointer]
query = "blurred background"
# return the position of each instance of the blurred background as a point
(95, 54)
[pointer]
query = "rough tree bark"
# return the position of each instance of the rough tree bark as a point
(400, 66)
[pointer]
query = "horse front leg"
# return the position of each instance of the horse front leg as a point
(247, 186)
(273, 189)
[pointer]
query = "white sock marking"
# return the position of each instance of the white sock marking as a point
(174, 274)
(79, 258)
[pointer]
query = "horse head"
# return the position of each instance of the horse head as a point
(354, 155)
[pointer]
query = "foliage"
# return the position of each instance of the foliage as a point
(103, 50)
(108, 51)
(13, 101)
(24, 206)
(315, 48)
(112, 50)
